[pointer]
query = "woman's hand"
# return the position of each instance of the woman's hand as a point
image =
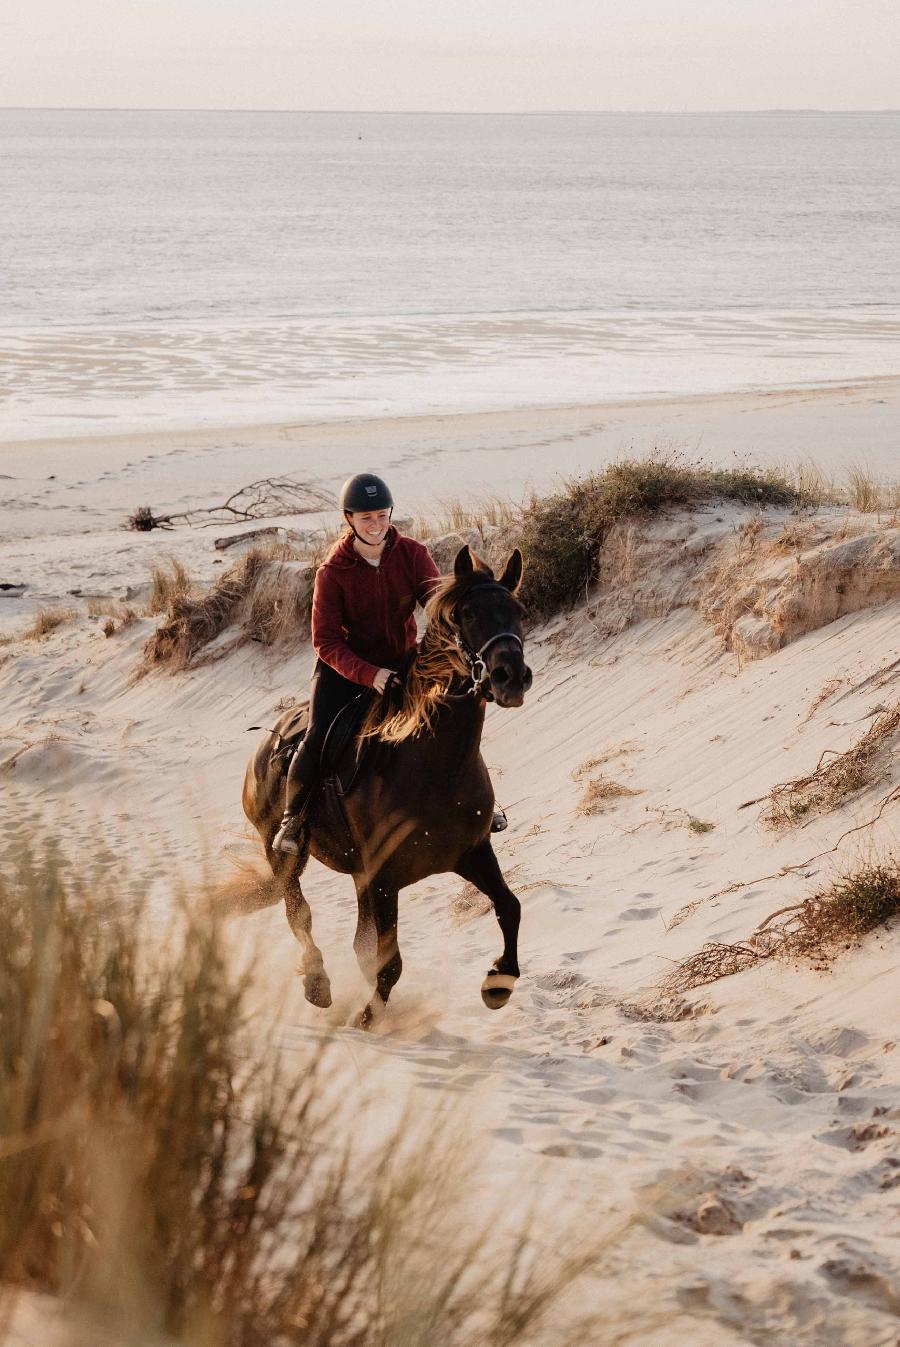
(382, 678)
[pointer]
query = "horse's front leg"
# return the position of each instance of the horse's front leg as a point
(480, 867)
(376, 945)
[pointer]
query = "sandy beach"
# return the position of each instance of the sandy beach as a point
(750, 1137)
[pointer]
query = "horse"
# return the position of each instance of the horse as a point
(422, 801)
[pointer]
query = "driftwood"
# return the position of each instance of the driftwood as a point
(265, 499)
(233, 539)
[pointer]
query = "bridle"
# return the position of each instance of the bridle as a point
(475, 658)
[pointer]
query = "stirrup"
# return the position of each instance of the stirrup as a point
(499, 823)
(287, 839)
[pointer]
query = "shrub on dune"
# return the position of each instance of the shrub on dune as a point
(816, 929)
(561, 536)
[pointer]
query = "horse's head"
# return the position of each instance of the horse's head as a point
(488, 622)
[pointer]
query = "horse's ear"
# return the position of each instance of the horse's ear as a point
(463, 564)
(468, 561)
(512, 572)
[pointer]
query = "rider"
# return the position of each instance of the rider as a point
(363, 625)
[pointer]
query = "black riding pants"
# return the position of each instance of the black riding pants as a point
(328, 693)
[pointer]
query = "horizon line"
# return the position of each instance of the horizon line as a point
(469, 112)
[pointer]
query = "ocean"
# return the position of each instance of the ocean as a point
(178, 268)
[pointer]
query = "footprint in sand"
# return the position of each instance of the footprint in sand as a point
(571, 1150)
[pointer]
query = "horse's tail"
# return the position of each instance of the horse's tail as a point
(250, 889)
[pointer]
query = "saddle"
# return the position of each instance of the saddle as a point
(341, 759)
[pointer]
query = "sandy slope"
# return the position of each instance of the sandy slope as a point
(757, 1137)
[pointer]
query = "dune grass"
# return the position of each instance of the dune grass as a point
(561, 535)
(170, 583)
(454, 514)
(267, 595)
(817, 929)
(599, 792)
(47, 620)
(162, 1172)
(834, 781)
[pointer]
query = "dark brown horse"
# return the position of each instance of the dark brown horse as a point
(422, 802)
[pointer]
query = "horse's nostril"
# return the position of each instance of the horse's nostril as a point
(528, 678)
(500, 675)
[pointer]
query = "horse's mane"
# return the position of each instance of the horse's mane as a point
(437, 662)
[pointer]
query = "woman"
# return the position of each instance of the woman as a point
(363, 625)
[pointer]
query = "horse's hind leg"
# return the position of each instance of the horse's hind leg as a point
(316, 986)
(376, 947)
(480, 867)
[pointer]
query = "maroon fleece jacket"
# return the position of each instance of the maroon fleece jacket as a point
(362, 616)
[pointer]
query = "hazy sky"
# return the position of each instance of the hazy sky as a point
(450, 55)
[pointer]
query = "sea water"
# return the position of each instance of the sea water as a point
(177, 268)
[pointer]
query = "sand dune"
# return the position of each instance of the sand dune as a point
(752, 1129)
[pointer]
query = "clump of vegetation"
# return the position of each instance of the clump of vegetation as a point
(561, 536)
(161, 1173)
(267, 595)
(816, 929)
(712, 961)
(169, 583)
(830, 783)
(142, 520)
(116, 616)
(598, 793)
(454, 514)
(47, 620)
(124, 618)
(680, 818)
(854, 905)
(864, 490)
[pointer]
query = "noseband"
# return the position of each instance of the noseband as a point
(475, 658)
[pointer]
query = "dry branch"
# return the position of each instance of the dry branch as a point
(830, 783)
(814, 928)
(265, 499)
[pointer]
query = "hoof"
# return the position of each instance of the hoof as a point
(317, 990)
(496, 989)
(368, 1016)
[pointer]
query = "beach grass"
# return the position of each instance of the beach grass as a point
(169, 584)
(266, 595)
(162, 1171)
(46, 621)
(562, 535)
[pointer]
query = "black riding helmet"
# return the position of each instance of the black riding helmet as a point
(365, 491)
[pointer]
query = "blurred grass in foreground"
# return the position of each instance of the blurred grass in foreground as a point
(161, 1174)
